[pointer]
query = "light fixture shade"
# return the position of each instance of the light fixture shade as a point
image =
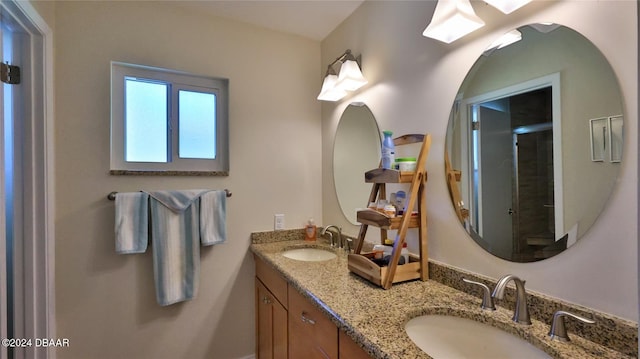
(545, 27)
(506, 39)
(507, 6)
(451, 20)
(329, 90)
(350, 77)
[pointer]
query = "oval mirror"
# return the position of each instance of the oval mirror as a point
(534, 143)
(356, 150)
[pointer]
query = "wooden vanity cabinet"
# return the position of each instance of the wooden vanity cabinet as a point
(348, 349)
(289, 326)
(271, 325)
(271, 313)
(311, 333)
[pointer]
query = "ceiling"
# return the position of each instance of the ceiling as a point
(314, 19)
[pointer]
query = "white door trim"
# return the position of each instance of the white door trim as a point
(39, 236)
(552, 80)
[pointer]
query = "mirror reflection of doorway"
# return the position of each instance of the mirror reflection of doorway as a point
(512, 149)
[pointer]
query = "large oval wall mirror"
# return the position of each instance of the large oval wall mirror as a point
(534, 143)
(356, 150)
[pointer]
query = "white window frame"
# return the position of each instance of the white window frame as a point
(178, 81)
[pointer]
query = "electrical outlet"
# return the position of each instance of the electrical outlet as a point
(278, 222)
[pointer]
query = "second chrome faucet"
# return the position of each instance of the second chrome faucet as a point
(521, 311)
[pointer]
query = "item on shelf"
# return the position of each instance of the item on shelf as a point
(390, 210)
(406, 164)
(388, 151)
(401, 196)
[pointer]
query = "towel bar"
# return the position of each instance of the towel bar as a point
(112, 195)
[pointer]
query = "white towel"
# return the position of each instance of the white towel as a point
(131, 222)
(213, 217)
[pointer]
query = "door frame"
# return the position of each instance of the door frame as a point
(552, 80)
(38, 249)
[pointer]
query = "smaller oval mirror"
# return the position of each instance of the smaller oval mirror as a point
(356, 150)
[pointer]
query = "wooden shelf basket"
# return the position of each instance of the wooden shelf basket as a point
(362, 265)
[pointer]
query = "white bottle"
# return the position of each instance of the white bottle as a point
(388, 151)
(405, 253)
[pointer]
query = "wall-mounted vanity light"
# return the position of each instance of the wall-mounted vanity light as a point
(507, 6)
(453, 19)
(350, 78)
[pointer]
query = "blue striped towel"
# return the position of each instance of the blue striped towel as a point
(179, 222)
(131, 222)
(213, 213)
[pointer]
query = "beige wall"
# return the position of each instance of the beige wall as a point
(413, 81)
(105, 301)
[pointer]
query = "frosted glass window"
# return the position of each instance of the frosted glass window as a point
(197, 125)
(146, 115)
(168, 122)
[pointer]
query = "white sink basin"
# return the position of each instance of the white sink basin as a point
(446, 337)
(309, 254)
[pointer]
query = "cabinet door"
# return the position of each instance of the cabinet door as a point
(349, 349)
(311, 334)
(271, 325)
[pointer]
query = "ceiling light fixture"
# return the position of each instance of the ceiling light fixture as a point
(452, 20)
(507, 6)
(350, 78)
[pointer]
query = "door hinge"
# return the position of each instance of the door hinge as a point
(9, 74)
(475, 126)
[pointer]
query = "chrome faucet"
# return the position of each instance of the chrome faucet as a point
(521, 312)
(338, 242)
(558, 330)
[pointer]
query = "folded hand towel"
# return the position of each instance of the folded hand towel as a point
(175, 241)
(131, 222)
(213, 217)
(177, 200)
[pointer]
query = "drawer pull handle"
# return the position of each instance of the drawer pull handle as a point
(324, 354)
(266, 300)
(306, 319)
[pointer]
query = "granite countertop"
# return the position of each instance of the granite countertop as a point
(375, 318)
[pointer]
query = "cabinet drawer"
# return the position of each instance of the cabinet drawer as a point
(272, 280)
(349, 349)
(311, 333)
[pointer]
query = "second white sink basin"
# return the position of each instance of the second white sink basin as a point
(445, 337)
(309, 254)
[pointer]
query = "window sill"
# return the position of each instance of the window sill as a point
(167, 173)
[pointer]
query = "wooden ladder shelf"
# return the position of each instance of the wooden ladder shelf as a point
(417, 268)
